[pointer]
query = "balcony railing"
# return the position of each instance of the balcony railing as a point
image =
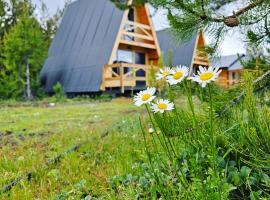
(121, 75)
(137, 34)
(201, 58)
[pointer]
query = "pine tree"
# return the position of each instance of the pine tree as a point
(23, 46)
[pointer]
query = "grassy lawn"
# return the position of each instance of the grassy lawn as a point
(32, 135)
(111, 162)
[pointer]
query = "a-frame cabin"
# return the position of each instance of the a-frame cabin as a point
(136, 48)
(99, 47)
(189, 53)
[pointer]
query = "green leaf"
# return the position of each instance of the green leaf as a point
(244, 172)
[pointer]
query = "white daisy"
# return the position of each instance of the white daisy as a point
(177, 75)
(145, 96)
(163, 73)
(162, 106)
(151, 130)
(206, 75)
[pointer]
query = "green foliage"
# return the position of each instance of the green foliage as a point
(79, 191)
(161, 61)
(207, 157)
(170, 58)
(59, 94)
(104, 97)
(3, 20)
(152, 77)
(23, 44)
(256, 64)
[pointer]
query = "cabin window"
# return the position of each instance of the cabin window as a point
(128, 56)
(124, 56)
(233, 75)
(128, 27)
(131, 15)
(140, 59)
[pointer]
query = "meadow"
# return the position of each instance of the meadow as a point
(33, 133)
(94, 149)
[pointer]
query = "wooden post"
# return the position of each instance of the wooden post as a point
(147, 70)
(103, 78)
(121, 79)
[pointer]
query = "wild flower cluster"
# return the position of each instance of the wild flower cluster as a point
(196, 153)
(174, 76)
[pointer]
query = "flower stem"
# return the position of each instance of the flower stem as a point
(212, 131)
(155, 130)
(191, 106)
(167, 150)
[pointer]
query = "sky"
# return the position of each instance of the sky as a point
(232, 44)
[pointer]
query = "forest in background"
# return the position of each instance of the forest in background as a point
(25, 37)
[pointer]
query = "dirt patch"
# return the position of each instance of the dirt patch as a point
(133, 112)
(11, 139)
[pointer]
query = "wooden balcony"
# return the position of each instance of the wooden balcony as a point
(121, 75)
(139, 35)
(201, 58)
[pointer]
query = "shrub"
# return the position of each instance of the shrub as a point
(59, 93)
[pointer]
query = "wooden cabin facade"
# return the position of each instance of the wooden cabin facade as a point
(135, 48)
(232, 69)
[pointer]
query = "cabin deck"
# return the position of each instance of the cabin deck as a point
(125, 75)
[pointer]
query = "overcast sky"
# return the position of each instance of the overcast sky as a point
(231, 45)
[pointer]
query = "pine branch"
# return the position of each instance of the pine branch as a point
(238, 98)
(230, 21)
(249, 7)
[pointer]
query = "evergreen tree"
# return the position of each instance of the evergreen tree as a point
(24, 49)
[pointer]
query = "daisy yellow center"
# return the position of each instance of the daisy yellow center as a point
(165, 73)
(177, 75)
(145, 97)
(206, 76)
(162, 106)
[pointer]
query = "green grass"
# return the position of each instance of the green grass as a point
(190, 155)
(31, 135)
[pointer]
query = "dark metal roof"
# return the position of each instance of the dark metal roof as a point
(230, 62)
(182, 52)
(82, 45)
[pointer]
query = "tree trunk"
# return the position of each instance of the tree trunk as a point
(28, 83)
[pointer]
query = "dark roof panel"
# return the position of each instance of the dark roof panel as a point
(230, 62)
(224, 61)
(182, 52)
(82, 45)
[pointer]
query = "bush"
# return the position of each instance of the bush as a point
(59, 93)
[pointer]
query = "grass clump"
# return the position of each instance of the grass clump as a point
(59, 94)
